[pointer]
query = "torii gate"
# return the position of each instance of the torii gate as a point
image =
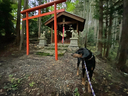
(40, 15)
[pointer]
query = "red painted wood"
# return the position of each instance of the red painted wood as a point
(42, 6)
(27, 33)
(55, 29)
(44, 14)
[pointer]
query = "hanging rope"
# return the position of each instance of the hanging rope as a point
(89, 79)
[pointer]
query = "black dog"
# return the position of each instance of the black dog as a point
(85, 55)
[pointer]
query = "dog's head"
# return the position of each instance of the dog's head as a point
(81, 53)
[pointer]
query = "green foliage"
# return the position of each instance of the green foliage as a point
(48, 35)
(43, 54)
(31, 84)
(71, 5)
(76, 93)
(33, 27)
(13, 85)
(91, 39)
(14, 7)
(113, 53)
(61, 54)
(6, 24)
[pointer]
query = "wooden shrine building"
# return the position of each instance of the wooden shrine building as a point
(67, 21)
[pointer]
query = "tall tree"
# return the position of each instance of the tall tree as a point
(106, 29)
(6, 25)
(23, 26)
(110, 29)
(39, 22)
(124, 40)
(100, 27)
(18, 23)
(87, 22)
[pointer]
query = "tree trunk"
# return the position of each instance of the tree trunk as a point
(100, 29)
(22, 43)
(106, 30)
(39, 23)
(120, 31)
(87, 20)
(109, 32)
(124, 40)
(18, 24)
(95, 29)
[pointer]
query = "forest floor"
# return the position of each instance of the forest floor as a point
(36, 75)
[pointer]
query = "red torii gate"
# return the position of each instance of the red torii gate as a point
(40, 15)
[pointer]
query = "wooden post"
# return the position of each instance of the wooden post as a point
(27, 33)
(77, 28)
(55, 32)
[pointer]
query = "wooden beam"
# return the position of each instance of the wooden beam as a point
(69, 22)
(42, 6)
(44, 14)
(73, 16)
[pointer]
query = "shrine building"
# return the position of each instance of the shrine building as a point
(65, 21)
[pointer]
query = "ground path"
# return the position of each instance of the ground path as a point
(36, 75)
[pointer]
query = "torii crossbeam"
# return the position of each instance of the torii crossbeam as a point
(40, 15)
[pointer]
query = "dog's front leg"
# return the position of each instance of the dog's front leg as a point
(78, 66)
(89, 89)
(83, 73)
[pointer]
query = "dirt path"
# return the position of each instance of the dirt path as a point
(35, 75)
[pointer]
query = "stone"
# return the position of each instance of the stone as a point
(73, 44)
(42, 40)
(73, 41)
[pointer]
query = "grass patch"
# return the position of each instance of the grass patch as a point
(43, 54)
(48, 54)
(61, 54)
(14, 84)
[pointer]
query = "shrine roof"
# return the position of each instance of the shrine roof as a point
(70, 19)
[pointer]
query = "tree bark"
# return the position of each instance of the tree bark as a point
(124, 40)
(87, 20)
(100, 29)
(109, 32)
(39, 23)
(18, 24)
(106, 30)
(22, 43)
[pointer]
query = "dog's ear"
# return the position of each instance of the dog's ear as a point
(85, 53)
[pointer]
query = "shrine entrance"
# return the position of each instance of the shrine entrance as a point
(65, 21)
(40, 15)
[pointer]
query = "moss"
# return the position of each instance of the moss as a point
(43, 54)
(61, 54)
